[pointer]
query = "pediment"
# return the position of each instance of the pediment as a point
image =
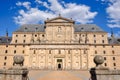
(60, 19)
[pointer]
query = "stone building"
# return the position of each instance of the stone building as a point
(59, 43)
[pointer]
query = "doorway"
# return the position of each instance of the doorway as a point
(59, 64)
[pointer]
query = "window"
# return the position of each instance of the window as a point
(104, 58)
(6, 45)
(113, 52)
(16, 35)
(59, 60)
(6, 51)
(105, 64)
(24, 35)
(15, 41)
(94, 35)
(113, 58)
(104, 52)
(103, 41)
(95, 52)
(94, 41)
(15, 45)
(23, 41)
(43, 35)
(93, 28)
(4, 63)
(114, 64)
(102, 35)
(23, 51)
(5, 58)
(14, 51)
(35, 35)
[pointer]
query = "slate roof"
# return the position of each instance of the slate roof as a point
(87, 27)
(5, 40)
(41, 28)
(31, 28)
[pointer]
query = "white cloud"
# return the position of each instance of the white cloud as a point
(25, 4)
(79, 13)
(114, 13)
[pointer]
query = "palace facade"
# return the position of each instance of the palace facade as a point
(59, 43)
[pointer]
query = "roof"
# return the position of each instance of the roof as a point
(87, 27)
(113, 40)
(31, 28)
(5, 40)
(41, 28)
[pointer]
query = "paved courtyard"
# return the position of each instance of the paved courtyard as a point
(58, 75)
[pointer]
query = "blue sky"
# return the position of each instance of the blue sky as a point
(104, 13)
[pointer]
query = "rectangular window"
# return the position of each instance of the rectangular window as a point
(104, 52)
(4, 63)
(113, 58)
(14, 51)
(105, 64)
(6, 51)
(5, 58)
(94, 41)
(114, 64)
(104, 58)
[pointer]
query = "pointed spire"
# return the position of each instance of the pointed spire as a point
(59, 15)
(6, 32)
(112, 34)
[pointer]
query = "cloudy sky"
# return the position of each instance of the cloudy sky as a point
(104, 13)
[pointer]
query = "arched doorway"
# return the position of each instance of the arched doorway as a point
(59, 66)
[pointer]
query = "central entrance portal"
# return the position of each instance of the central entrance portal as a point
(59, 64)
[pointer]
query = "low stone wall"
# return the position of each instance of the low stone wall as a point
(17, 72)
(13, 74)
(103, 73)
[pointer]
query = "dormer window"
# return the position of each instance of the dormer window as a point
(26, 28)
(82, 28)
(36, 29)
(93, 28)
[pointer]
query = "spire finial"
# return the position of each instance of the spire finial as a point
(112, 34)
(6, 32)
(59, 15)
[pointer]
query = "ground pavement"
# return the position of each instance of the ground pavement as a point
(58, 75)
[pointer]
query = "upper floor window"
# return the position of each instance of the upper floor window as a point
(24, 35)
(14, 51)
(94, 35)
(94, 41)
(6, 51)
(16, 35)
(15, 41)
(23, 41)
(104, 52)
(95, 52)
(5, 57)
(43, 35)
(113, 52)
(113, 58)
(102, 35)
(103, 41)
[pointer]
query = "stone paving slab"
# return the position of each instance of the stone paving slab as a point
(58, 75)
